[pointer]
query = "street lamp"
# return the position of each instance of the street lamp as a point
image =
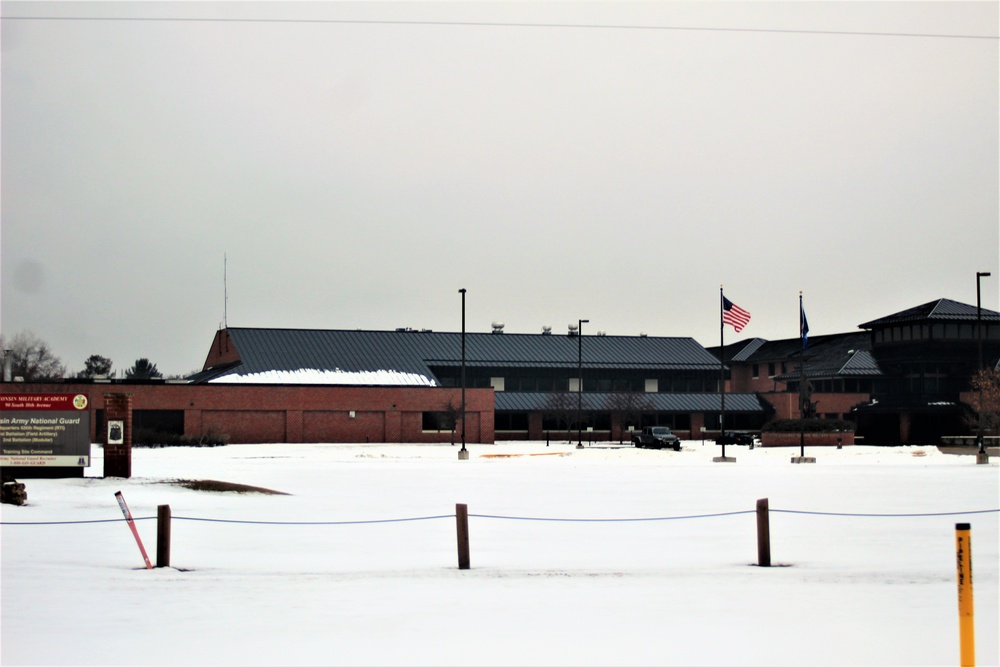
(463, 453)
(579, 393)
(981, 457)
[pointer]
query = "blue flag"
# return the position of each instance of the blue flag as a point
(803, 326)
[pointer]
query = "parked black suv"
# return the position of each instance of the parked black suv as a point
(656, 437)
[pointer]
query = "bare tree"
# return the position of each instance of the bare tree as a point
(450, 416)
(986, 383)
(31, 358)
(629, 406)
(562, 406)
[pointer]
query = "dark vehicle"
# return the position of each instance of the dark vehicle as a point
(656, 437)
(735, 438)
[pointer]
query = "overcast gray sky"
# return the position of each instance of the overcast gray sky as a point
(358, 163)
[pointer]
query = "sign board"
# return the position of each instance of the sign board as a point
(38, 430)
(116, 432)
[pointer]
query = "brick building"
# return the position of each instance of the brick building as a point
(292, 385)
(905, 378)
(534, 379)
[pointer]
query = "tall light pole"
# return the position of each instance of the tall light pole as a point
(579, 393)
(981, 457)
(463, 453)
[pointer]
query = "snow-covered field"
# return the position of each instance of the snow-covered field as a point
(845, 590)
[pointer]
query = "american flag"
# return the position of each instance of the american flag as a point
(733, 315)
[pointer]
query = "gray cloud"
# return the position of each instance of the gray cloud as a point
(357, 174)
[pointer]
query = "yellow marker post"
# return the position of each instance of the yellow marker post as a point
(966, 614)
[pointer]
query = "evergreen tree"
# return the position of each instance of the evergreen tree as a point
(96, 366)
(142, 369)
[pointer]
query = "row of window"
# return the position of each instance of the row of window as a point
(939, 331)
(772, 369)
(594, 381)
(518, 421)
(601, 421)
(837, 386)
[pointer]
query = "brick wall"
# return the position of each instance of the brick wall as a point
(285, 413)
(117, 457)
(786, 404)
(811, 439)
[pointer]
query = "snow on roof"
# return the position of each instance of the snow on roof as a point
(314, 376)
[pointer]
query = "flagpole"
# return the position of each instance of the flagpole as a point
(802, 384)
(722, 369)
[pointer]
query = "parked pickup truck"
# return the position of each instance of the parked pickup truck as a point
(656, 437)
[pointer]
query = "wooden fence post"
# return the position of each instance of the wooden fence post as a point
(462, 524)
(163, 536)
(763, 534)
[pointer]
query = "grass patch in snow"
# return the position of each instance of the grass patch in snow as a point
(223, 487)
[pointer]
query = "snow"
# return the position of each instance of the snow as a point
(859, 590)
(337, 376)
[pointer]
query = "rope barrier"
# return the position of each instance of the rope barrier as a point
(505, 517)
(652, 518)
(317, 523)
(890, 516)
(67, 523)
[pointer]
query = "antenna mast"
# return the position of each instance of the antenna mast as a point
(225, 292)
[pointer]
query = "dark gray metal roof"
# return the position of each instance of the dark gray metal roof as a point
(838, 355)
(941, 310)
(262, 350)
(517, 401)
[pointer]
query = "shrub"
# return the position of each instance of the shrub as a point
(154, 438)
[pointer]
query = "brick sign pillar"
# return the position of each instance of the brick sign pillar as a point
(117, 455)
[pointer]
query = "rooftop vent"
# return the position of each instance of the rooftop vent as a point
(602, 333)
(642, 334)
(497, 327)
(573, 329)
(546, 330)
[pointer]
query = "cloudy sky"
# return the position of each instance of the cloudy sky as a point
(352, 165)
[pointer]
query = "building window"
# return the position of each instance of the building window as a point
(438, 421)
(755, 371)
(510, 421)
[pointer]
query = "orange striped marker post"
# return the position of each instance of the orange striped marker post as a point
(966, 614)
(131, 524)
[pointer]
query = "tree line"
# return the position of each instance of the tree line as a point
(28, 358)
